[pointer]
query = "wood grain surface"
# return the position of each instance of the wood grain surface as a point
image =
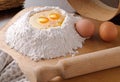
(90, 45)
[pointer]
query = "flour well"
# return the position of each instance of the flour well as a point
(45, 43)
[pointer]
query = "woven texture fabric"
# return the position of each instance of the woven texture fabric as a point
(9, 70)
(8, 4)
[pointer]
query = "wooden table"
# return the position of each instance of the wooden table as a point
(110, 75)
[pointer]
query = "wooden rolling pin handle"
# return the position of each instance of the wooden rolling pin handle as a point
(46, 73)
(83, 64)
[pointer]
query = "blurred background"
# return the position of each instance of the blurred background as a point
(8, 13)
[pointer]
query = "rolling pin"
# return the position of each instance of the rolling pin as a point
(80, 65)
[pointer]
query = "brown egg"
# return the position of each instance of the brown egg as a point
(108, 31)
(85, 27)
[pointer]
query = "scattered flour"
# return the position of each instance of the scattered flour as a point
(45, 43)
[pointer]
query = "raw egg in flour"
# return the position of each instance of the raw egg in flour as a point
(108, 31)
(47, 19)
(85, 27)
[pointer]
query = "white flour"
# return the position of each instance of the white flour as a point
(45, 43)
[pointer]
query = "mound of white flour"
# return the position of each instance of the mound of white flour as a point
(45, 43)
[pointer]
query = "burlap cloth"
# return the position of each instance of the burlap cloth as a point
(9, 70)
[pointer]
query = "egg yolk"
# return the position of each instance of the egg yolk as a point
(54, 16)
(46, 19)
(43, 19)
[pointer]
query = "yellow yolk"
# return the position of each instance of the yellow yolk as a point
(43, 19)
(54, 16)
(46, 19)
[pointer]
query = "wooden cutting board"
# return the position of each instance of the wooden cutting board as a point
(90, 45)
